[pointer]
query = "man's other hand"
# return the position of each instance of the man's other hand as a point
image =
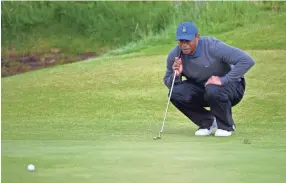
(214, 80)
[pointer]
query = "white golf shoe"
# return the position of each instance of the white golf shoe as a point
(222, 133)
(206, 131)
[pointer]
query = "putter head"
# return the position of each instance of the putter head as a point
(156, 138)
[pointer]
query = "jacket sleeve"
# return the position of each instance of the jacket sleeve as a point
(169, 74)
(240, 60)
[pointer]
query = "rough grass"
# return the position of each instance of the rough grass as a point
(86, 26)
(267, 33)
(31, 31)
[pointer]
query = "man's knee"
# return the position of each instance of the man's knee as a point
(179, 93)
(214, 93)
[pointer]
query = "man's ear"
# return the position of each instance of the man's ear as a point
(198, 36)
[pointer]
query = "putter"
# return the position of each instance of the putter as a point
(162, 128)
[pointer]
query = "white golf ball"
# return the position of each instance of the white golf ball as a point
(31, 167)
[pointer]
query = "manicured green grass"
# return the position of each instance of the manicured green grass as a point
(94, 121)
(185, 160)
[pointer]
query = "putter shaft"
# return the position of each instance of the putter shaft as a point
(165, 116)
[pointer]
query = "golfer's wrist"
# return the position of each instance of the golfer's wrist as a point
(224, 80)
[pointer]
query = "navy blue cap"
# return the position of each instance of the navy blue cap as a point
(186, 31)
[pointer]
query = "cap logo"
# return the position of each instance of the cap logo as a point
(184, 29)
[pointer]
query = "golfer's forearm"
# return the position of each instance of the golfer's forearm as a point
(238, 70)
(240, 60)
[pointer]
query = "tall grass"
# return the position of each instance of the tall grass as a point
(216, 19)
(81, 26)
(103, 23)
(210, 17)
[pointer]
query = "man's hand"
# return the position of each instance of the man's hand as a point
(178, 66)
(214, 80)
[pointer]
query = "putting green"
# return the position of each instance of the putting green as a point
(95, 121)
(186, 159)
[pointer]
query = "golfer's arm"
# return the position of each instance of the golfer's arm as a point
(168, 78)
(231, 55)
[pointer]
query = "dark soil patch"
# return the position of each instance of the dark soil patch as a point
(13, 64)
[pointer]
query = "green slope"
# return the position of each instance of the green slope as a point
(94, 122)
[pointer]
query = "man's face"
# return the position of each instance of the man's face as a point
(189, 47)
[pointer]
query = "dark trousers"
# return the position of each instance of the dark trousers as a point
(191, 99)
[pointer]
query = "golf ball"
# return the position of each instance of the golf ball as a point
(31, 167)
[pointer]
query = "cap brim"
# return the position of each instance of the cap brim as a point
(186, 37)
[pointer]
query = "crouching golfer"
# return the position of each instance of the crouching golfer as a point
(214, 73)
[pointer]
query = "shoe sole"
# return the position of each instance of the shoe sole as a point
(210, 132)
(223, 135)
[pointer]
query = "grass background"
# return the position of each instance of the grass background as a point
(93, 121)
(98, 26)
